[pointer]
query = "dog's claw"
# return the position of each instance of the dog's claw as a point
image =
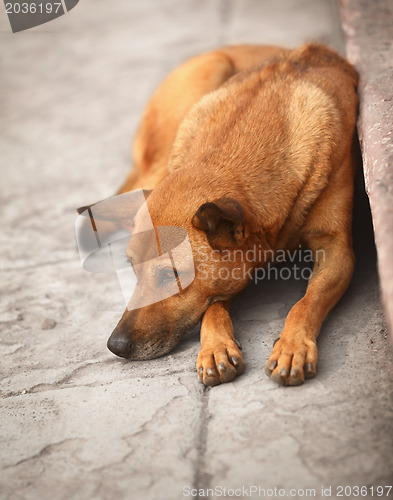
(238, 344)
(309, 370)
(221, 367)
(270, 368)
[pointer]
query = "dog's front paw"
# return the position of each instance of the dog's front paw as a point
(293, 359)
(220, 363)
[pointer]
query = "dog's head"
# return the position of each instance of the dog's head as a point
(161, 310)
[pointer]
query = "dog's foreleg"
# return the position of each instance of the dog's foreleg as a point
(295, 353)
(220, 358)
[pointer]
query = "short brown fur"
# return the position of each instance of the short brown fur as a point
(248, 146)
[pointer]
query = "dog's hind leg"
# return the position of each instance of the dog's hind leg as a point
(220, 358)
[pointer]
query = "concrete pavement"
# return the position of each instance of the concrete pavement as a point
(77, 422)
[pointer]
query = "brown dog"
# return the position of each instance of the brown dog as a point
(247, 147)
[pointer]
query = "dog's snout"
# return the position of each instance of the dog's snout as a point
(121, 346)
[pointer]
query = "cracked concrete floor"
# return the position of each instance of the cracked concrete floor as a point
(76, 422)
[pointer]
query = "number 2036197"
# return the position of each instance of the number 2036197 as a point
(33, 8)
(362, 491)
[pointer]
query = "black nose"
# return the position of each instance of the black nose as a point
(121, 346)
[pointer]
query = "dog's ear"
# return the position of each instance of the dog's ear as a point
(223, 222)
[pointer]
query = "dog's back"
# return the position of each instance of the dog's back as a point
(274, 132)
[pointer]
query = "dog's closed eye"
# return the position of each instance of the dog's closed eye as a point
(165, 276)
